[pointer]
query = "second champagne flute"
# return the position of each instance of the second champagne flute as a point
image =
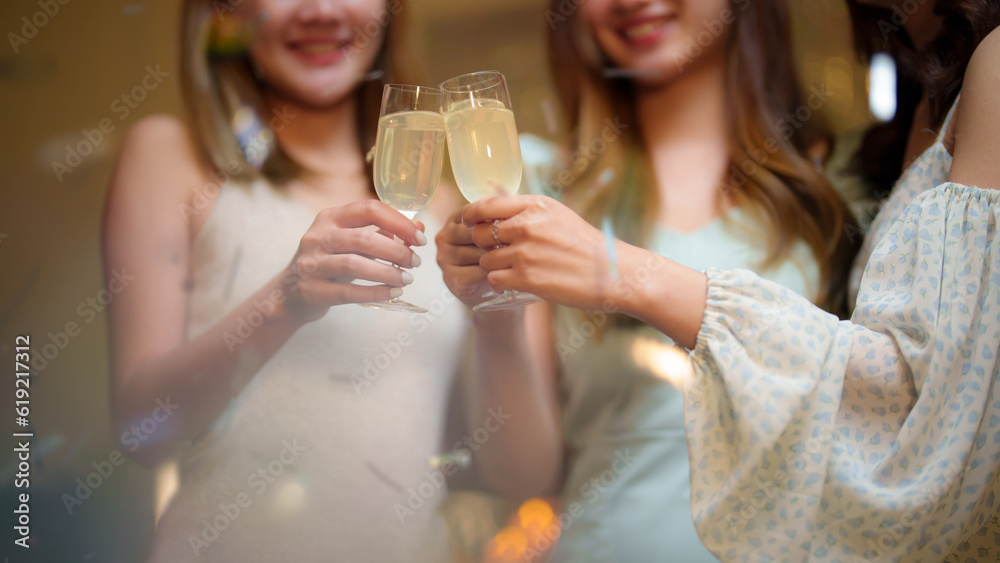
(484, 150)
(409, 151)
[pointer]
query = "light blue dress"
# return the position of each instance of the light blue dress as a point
(877, 439)
(626, 497)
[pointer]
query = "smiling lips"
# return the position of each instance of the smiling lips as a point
(320, 51)
(645, 31)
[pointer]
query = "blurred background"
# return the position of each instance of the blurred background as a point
(75, 74)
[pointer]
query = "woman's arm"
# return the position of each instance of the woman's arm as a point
(977, 119)
(147, 236)
(810, 436)
(553, 253)
(515, 377)
(556, 255)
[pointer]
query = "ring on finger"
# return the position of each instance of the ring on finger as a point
(496, 234)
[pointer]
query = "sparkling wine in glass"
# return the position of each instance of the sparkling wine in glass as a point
(409, 151)
(484, 150)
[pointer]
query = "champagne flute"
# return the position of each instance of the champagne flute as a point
(409, 152)
(484, 150)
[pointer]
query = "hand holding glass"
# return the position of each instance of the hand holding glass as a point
(409, 151)
(484, 150)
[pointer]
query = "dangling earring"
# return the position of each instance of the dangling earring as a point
(254, 139)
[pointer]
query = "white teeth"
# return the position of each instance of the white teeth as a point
(643, 29)
(317, 47)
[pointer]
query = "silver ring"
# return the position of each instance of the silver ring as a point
(496, 237)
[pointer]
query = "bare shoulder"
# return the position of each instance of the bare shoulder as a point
(159, 171)
(158, 150)
(983, 74)
(977, 119)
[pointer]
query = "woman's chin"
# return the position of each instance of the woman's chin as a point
(319, 94)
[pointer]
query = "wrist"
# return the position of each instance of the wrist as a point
(664, 294)
(640, 279)
(290, 308)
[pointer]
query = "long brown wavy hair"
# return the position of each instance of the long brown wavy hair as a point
(784, 190)
(937, 70)
(217, 80)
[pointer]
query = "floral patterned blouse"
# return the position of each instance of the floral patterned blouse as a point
(874, 439)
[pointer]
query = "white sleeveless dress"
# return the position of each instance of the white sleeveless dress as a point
(326, 453)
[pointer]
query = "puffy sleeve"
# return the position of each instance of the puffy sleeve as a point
(815, 439)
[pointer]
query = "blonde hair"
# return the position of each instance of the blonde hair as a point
(792, 199)
(216, 83)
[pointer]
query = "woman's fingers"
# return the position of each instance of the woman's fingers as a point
(374, 212)
(468, 255)
(500, 259)
(488, 236)
(345, 268)
(466, 282)
(502, 207)
(366, 242)
(454, 232)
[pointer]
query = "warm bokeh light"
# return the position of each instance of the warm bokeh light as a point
(530, 535)
(168, 481)
(535, 513)
(510, 544)
(666, 361)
